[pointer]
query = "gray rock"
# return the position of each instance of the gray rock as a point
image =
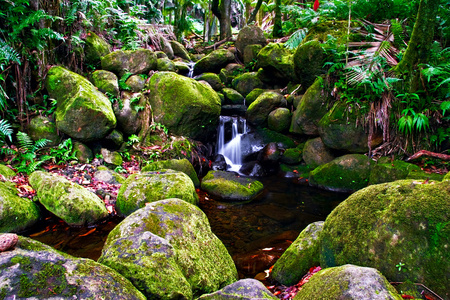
(244, 289)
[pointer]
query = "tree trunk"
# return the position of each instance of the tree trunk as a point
(222, 11)
(254, 12)
(277, 25)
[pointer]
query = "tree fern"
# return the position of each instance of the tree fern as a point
(6, 131)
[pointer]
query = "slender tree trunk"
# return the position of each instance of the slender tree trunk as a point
(254, 12)
(277, 25)
(222, 11)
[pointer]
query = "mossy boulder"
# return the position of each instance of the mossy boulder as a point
(447, 176)
(111, 157)
(214, 61)
(95, 48)
(393, 171)
(232, 96)
(179, 50)
(229, 187)
(251, 53)
(277, 64)
(67, 200)
(185, 106)
(82, 152)
(258, 112)
(292, 156)
(136, 83)
(253, 95)
(404, 221)
(270, 136)
(249, 35)
(168, 251)
(36, 271)
(212, 79)
(417, 173)
(311, 109)
(114, 138)
(106, 82)
(151, 186)
(106, 175)
(165, 64)
(300, 256)
(348, 282)
(279, 119)
(129, 119)
(82, 111)
(139, 61)
(308, 62)
(247, 82)
(182, 68)
(346, 173)
(41, 127)
(6, 171)
(340, 130)
(182, 165)
(16, 213)
(244, 289)
(315, 153)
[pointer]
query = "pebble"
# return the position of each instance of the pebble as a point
(8, 241)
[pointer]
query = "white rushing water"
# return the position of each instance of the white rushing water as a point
(231, 148)
(191, 65)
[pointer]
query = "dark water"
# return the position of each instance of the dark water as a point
(255, 233)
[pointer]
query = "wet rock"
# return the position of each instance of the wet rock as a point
(277, 213)
(249, 35)
(279, 120)
(8, 241)
(232, 96)
(182, 165)
(120, 62)
(214, 61)
(106, 82)
(315, 153)
(243, 289)
(259, 110)
(179, 50)
(246, 83)
(293, 156)
(42, 127)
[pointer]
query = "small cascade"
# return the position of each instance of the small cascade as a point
(191, 65)
(229, 140)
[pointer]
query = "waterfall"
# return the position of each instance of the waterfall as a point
(191, 65)
(230, 146)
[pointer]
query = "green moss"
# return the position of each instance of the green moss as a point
(392, 171)
(182, 165)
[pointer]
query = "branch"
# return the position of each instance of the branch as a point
(218, 43)
(445, 157)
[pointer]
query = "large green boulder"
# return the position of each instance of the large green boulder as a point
(300, 256)
(165, 64)
(315, 153)
(232, 97)
(313, 106)
(120, 62)
(258, 112)
(95, 48)
(346, 173)
(67, 200)
(392, 171)
(16, 213)
(185, 106)
(279, 119)
(140, 189)
(182, 165)
(244, 289)
(214, 61)
(247, 82)
(229, 187)
(179, 50)
(447, 176)
(249, 35)
(277, 64)
(212, 79)
(339, 129)
(36, 271)
(41, 127)
(106, 82)
(308, 62)
(401, 228)
(6, 171)
(168, 251)
(82, 112)
(129, 119)
(348, 282)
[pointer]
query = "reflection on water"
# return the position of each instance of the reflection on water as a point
(254, 233)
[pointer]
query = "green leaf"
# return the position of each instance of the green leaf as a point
(445, 106)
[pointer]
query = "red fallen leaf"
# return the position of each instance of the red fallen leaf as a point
(89, 232)
(404, 296)
(210, 164)
(316, 5)
(277, 293)
(295, 171)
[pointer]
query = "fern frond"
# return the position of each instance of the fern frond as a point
(24, 141)
(6, 131)
(296, 38)
(41, 143)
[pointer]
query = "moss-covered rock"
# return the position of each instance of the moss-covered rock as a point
(258, 112)
(214, 61)
(114, 138)
(67, 200)
(182, 165)
(229, 187)
(41, 127)
(168, 251)
(249, 35)
(95, 48)
(346, 173)
(292, 156)
(315, 153)
(16, 213)
(165, 64)
(36, 271)
(312, 107)
(182, 68)
(279, 119)
(185, 106)
(348, 282)
(82, 112)
(179, 50)
(151, 186)
(270, 136)
(128, 117)
(301, 255)
(213, 80)
(244, 289)
(340, 130)
(6, 171)
(247, 82)
(108, 176)
(277, 64)
(392, 171)
(417, 173)
(82, 152)
(404, 221)
(447, 176)
(106, 82)
(308, 62)
(136, 83)
(134, 61)
(232, 96)
(253, 95)
(251, 53)
(111, 157)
